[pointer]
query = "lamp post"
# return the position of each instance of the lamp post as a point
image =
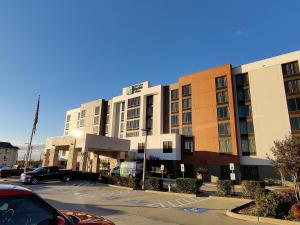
(145, 158)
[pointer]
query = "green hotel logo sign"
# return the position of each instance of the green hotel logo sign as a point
(134, 89)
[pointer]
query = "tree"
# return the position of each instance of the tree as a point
(286, 159)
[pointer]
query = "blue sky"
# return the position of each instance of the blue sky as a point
(74, 51)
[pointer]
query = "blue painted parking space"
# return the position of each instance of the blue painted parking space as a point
(111, 197)
(194, 210)
(135, 202)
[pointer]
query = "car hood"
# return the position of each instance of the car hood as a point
(30, 172)
(86, 218)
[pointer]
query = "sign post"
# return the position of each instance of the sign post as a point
(232, 176)
(162, 168)
(182, 169)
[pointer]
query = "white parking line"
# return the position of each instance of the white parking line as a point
(176, 202)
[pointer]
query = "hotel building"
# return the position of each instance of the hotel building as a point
(207, 119)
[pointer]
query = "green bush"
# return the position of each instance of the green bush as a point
(224, 187)
(188, 185)
(273, 204)
(156, 183)
(121, 181)
(249, 187)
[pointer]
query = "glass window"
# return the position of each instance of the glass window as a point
(225, 146)
(174, 94)
(174, 107)
(222, 97)
(248, 145)
(243, 95)
(188, 146)
(186, 90)
(123, 106)
(133, 102)
(292, 86)
(97, 110)
(223, 112)
(133, 125)
(245, 110)
(82, 113)
(242, 79)
(150, 100)
(96, 120)
(141, 147)
(78, 116)
(187, 117)
(108, 109)
(174, 120)
(167, 147)
(133, 113)
(22, 209)
(149, 110)
(67, 126)
(122, 116)
(95, 129)
(221, 82)
(290, 68)
(68, 118)
(82, 123)
(186, 103)
(107, 119)
(246, 127)
(149, 123)
(187, 131)
(294, 123)
(175, 130)
(224, 128)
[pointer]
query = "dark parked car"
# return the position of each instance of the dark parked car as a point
(14, 171)
(20, 206)
(46, 174)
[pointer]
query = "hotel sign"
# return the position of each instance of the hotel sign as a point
(134, 89)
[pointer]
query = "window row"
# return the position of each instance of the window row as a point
(224, 129)
(96, 120)
(68, 118)
(243, 95)
(292, 86)
(246, 127)
(293, 104)
(167, 147)
(132, 134)
(188, 146)
(187, 117)
(222, 97)
(225, 145)
(248, 145)
(174, 94)
(187, 131)
(295, 123)
(221, 82)
(245, 111)
(97, 110)
(133, 102)
(133, 124)
(150, 100)
(174, 107)
(174, 120)
(133, 113)
(290, 68)
(242, 79)
(223, 112)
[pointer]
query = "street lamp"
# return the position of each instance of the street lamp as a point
(145, 157)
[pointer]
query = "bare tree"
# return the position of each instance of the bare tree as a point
(286, 159)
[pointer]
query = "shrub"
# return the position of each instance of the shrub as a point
(272, 205)
(156, 183)
(249, 188)
(224, 187)
(122, 181)
(188, 185)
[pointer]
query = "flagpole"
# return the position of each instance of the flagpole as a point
(28, 151)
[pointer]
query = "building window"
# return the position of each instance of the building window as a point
(167, 147)
(108, 109)
(96, 120)
(222, 97)
(293, 104)
(68, 118)
(149, 110)
(174, 94)
(149, 123)
(246, 127)
(186, 90)
(223, 112)
(221, 82)
(141, 147)
(133, 113)
(242, 79)
(174, 120)
(295, 125)
(186, 103)
(97, 110)
(187, 131)
(82, 123)
(243, 95)
(225, 146)
(224, 129)
(187, 117)
(150, 100)
(174, 107)
(188, 146)
(66, 132)
(245, 111)
(67, 126)
(122, 116)
(133, 124)
(292, 86)
(4, 158)
(121, 127)
(123, 106)
(133, 102)
(175, 130)
(248, 146)
(106, 128)
(132, 134)
(78, 116)
(82, 113)
(95, 129)
(290, 68)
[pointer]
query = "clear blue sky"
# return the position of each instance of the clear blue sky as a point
(74, 51)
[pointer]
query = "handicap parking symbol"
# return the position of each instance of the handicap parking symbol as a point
(135, 202)
(194, 210)
(111, 197)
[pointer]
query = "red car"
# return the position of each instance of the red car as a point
(20, 206)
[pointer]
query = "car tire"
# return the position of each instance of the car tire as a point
(66, 179)
(34, 181)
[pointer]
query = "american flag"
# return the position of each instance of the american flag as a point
(36, 117)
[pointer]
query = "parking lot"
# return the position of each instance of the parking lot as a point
(126, 206)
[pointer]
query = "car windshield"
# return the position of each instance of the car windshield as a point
(40, 169)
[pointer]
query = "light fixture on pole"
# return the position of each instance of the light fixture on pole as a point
(145, 158)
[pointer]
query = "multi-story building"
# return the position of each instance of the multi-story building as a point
(8, 154)
(207, 119)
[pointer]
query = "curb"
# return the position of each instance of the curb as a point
(235, 215)
(228, 198)
(171, 193)
(116, 186)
